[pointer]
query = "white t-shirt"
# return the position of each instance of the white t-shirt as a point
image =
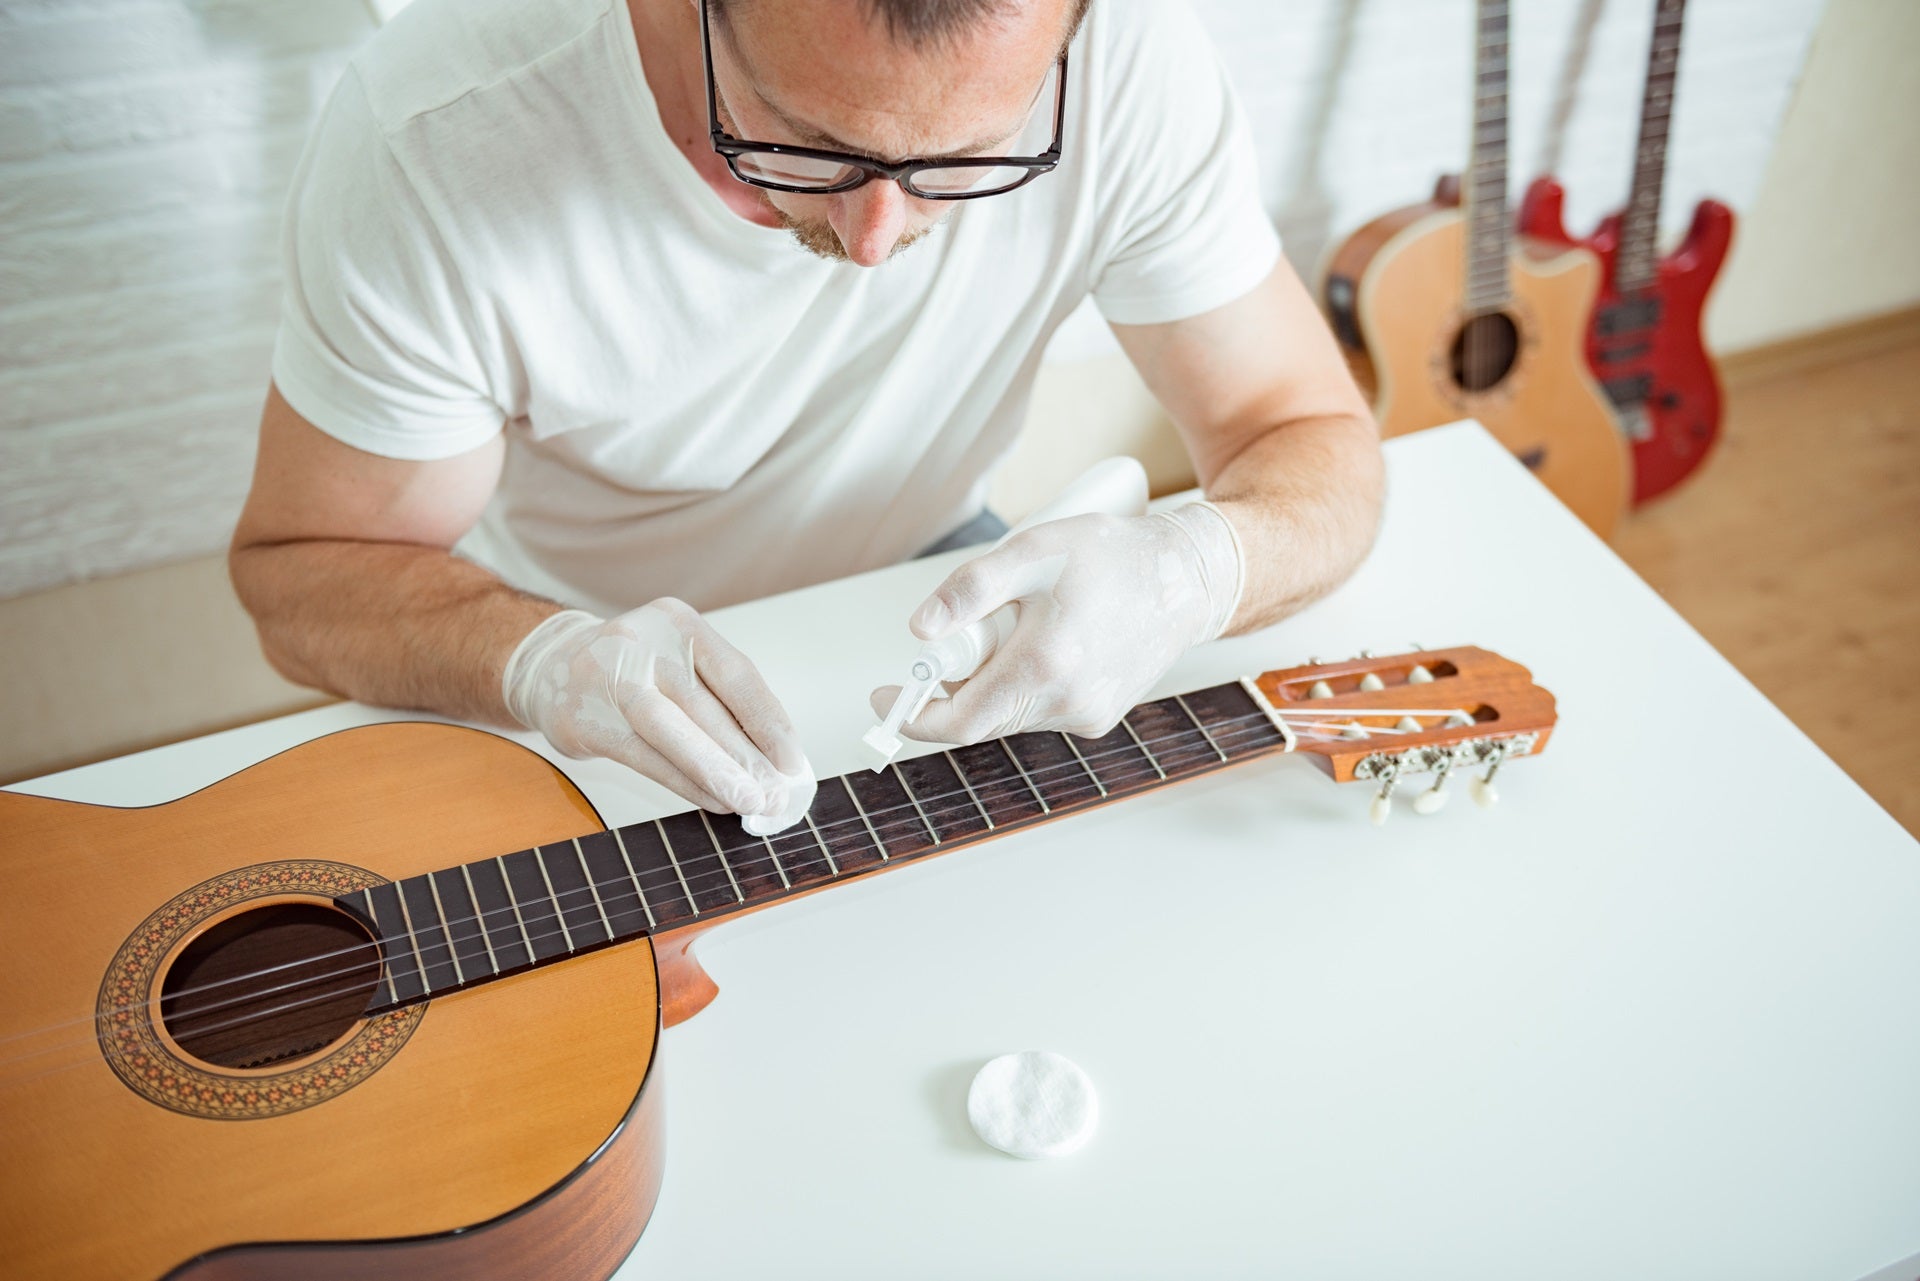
(491, 231)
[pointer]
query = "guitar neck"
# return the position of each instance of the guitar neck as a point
(1488, 238)
(471, 923)
(1636, 267)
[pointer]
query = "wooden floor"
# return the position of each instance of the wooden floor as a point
(1796, 550)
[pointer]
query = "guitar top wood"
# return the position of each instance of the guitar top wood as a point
(1402, 278)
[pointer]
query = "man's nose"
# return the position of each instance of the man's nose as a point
(870, 220)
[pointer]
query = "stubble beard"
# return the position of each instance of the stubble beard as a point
(820, 239)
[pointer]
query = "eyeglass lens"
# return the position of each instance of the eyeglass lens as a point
(819, 174)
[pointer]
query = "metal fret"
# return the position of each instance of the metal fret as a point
(1143, 748)
(1181, 699)
(778, 866)
(1068, 740)
(634, 876)
(446, 928)
(406, 918)
(559, 913)
(908, 788)
(684, 887)
(724, 865)
(878, 844)
(513, 901)
(480, 919)
(591, 887)
(962, 776)
(386, 971)
(833, 867)
(1044, 807)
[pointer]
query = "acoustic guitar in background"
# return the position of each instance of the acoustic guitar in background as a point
(1448, 321)
(1644, 344)
(388, 1005)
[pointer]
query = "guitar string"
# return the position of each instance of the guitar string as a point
(932, 807)
(1225, 735)
(715, 877)
(909, 819)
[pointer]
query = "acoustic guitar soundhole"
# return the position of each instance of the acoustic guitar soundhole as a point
(279, 982)
(219, 1043)
(1484, 351)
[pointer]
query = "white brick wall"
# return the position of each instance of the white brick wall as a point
(145, 146)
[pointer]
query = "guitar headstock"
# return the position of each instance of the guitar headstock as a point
(1433, 712)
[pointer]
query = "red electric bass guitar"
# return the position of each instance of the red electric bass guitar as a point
(1644, 343)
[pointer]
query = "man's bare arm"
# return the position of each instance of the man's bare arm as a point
(342, 557)
(1280, 436)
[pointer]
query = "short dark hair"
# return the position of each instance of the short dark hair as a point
(923, 23)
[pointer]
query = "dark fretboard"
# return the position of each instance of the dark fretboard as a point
(1634, 269)
(467, 924)
(1488, 241)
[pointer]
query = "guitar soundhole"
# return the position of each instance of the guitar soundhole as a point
(1484, 351)
(276, 983)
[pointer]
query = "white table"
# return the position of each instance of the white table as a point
(1654, 1016)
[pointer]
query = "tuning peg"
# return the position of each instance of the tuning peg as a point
(1382, 805)
(1370, 682)
(1366, 653)
(1408, 725)
(1485, 795)
(1434, 799)
(1419, 676)
(1320, 689)
(1355, 729)
(1459, 720)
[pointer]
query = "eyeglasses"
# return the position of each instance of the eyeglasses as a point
(812, 171)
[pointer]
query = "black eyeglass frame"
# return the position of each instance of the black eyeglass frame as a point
(865, 169)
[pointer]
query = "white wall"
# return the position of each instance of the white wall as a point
(145, 146)
(1832, 237)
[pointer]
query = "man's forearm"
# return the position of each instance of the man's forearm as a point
(1305, 500)
(391, 624)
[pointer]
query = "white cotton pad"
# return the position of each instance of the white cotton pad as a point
(1033, 1104)
(800, 793)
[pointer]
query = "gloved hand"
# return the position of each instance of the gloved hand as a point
(662, 692)
(1106, 604)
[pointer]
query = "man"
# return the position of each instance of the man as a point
(543, 300)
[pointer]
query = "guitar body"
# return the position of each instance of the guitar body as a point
(1395, 290)
(1646, 348)
(512, 1130)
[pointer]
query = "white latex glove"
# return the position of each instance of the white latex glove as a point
(1106, 604)
(662, 692)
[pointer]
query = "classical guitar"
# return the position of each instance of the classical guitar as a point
(1644, 343)
(388, 1004)
(1446, 320)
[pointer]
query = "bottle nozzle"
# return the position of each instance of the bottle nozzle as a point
(950, 658)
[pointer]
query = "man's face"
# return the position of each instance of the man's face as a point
(823, 73)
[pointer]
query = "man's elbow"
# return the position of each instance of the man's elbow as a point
(251, 571)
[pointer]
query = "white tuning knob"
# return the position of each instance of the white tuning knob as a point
(1408, 725)
(1484, 793)
(1320, 689)
(1370, 682)
(1434, 799)
(1354, 730)
(1382, 806)
(1419, 676)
